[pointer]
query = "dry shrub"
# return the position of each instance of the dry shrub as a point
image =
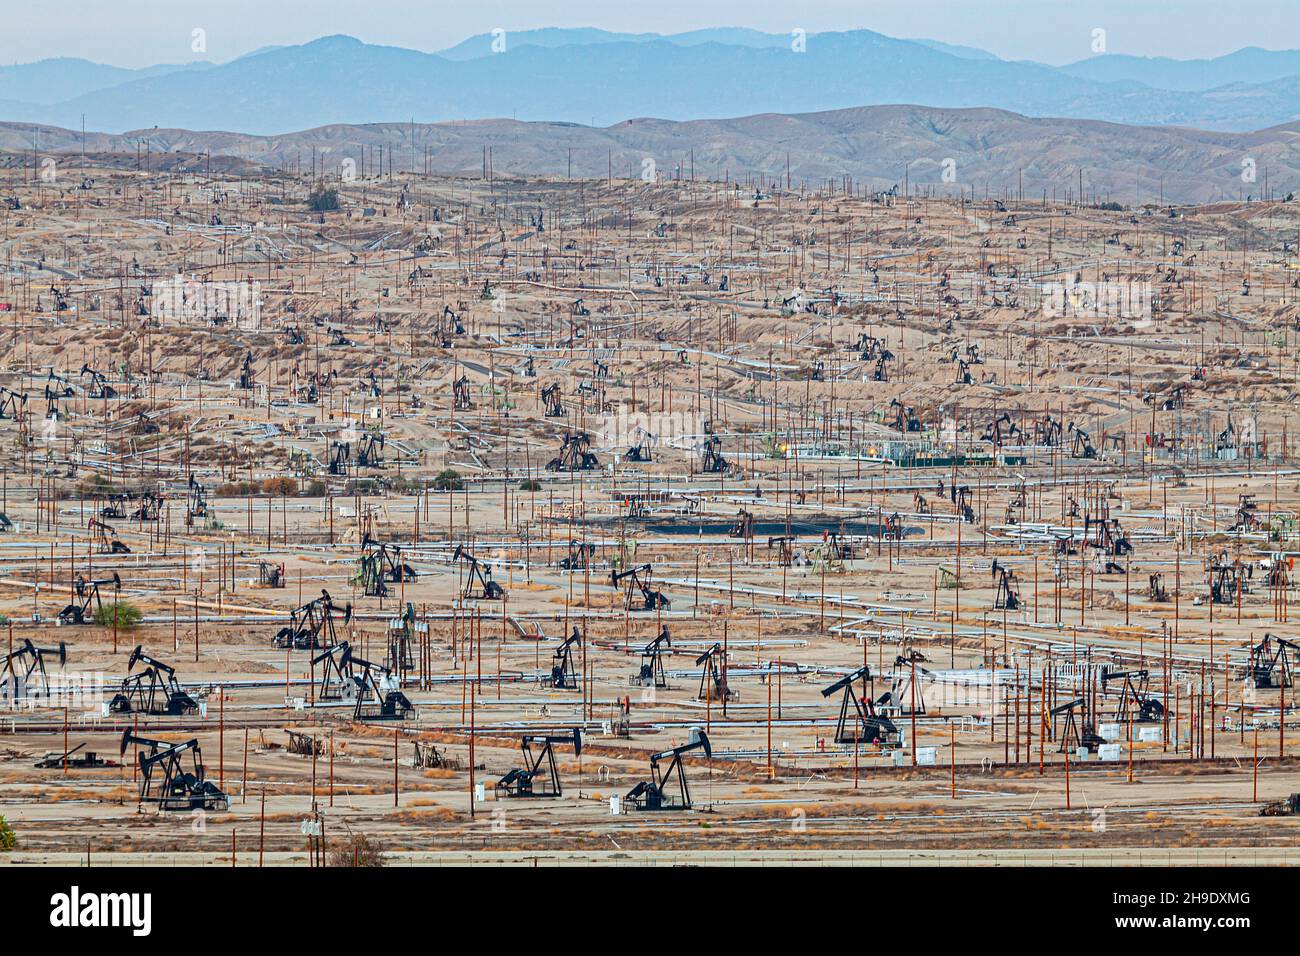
(431, 815)
(357, 850)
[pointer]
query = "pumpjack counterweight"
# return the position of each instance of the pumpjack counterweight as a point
(652, 672)
(23, 672)
(867, 725)
(1136, 702)
(311, 626)
(87, 595)
(713, 676)
(381, 565)
(563, 674)
(1271, 661)
(377, 695)
(637, 580)
(478, 580)
(164, 781)
(155, 690)
(540, 774)
(667, 788)
(1074, 732)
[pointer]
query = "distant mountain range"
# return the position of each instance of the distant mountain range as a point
(599, 78)
(990, 151)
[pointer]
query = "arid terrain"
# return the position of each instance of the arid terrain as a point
(958, 530)
(925, 151)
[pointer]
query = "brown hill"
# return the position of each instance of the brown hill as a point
(991, 151)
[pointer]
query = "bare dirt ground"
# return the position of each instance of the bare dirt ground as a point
(1059, 582)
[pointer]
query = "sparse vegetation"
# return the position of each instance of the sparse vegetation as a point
(8, 839)
(285, 486)
(448, 480)
(323, 199)
(357, 850)
(280, 486)
(126, 614)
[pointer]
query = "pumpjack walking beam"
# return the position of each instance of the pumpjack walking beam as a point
(370, 451)
(899, 698)
(381, 565)
(580, 555)
(336, 677)
(116, 506)
(712, 461)
(105, 543)
(868, 726)
(197, 505)
(1135, 702)
(652, 662)
(155, 690)
(656, 793)
(563, 675)
(713, 677)
(744, 526)
(1228, 580)
(52, 761)
(575, 454)
(312, 625)
(247, 379)
(462, 398)
(12, 404)
(641, 451)
(87, 593)
(1271, 662)
(631, 580)
(340, 458)
(478, 583)
(1080, 444)
(529, 780)
(550, 395)
(1008, 598)
(56, 387)
(149, 509)
(905, 419)
(1076, 733)
(164, 779)
(376, 681)
(99, 387)
(402, 638)
(32, 660)
(784, 545)
(270, 575)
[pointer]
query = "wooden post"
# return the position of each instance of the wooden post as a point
(913, 708)
(1254, 769)
(952, 759)
(471, 750)
(769, 724)
(1067, 778)
(1281, 718)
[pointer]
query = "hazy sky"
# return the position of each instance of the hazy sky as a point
(143, 32)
